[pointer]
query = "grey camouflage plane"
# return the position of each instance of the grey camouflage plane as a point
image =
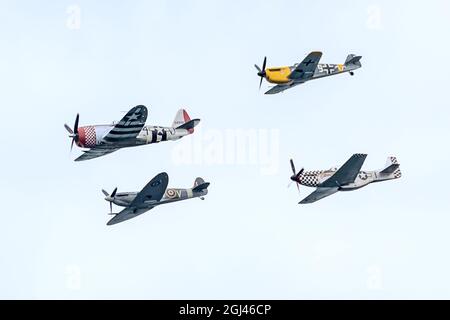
(347, 178)
(155, 193)
(130, 131)
(309, 69)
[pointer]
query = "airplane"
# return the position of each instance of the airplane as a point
(130, 131)
(347, 178)
(309, 69)
(155, 193)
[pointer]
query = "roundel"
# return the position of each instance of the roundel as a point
(363, 175)
(170, 193)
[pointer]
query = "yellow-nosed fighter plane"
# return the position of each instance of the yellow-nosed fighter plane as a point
(308, 69)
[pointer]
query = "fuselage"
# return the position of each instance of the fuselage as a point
(316, 178)
(124, 199)
(280, 75)
(91, 136)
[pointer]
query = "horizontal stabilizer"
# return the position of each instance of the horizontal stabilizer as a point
(189, 125)
(353, 59)
(391, 168)
(201, 187)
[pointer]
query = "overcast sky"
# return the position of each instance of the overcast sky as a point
(249, 238)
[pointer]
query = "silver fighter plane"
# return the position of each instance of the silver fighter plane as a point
(155, 193)
(130, 131)
(347, 178)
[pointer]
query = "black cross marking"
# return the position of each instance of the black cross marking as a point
(309, 62)
(328, 68)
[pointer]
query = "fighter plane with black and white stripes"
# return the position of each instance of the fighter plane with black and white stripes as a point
(155, 193)
(130, 131)
(347, 178)
(309, 69)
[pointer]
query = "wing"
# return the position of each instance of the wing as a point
(347, 173)
(152, 192)
(129, 126)
(281, 87)
(305, 69)
(126, 214)
(318, 194)
(95, 153)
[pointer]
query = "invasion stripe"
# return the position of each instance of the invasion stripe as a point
(115, 135)
(112, 135)
(123, 126)
(128, 127)
(115, 130)
(130, 123)
(115, 139)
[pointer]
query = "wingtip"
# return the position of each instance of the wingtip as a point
(112, 222)
(164, 174)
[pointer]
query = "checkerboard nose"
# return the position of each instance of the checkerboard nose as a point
(87, 137)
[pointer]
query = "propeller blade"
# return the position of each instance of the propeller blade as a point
(75, 127)
(69, 129)
(293, 166)
(113, 194)
(298, 187)
(105, 193)
(261, 73)
(110, 207)
(71, 145)
(300, 172)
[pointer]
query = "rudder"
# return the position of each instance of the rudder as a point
(183, 121)
(392, 167)
(180, 118)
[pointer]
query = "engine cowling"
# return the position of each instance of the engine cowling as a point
(278, 75)
(87, 137)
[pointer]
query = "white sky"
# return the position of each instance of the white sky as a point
(249, 238)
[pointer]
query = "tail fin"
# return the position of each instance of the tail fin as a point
(392, 167)
(183, 121)
(353, 59)
(200, 185)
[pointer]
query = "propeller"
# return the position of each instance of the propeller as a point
(261, 73)
(73, 133)
(110, 198)
(296, 175)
